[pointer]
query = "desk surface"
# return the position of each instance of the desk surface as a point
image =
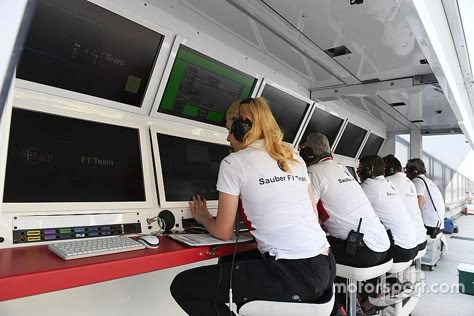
(34, 270)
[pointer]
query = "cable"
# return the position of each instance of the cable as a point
(237, 235)
(231, 273)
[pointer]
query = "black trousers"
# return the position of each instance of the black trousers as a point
(205, 290)
(365, 257)
(400, 254)
(422, 245)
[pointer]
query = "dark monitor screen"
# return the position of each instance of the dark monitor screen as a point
(81, 47)
(350, 141)
(54, 158)
(352, 171)
(202, 89)
(324, 123)
(287, 110)
(372, 146)
(189, 167)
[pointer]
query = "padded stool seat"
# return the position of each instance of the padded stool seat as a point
(353, 275)
(363, 274)
(420, 254)
(273, 308)
(400, 266)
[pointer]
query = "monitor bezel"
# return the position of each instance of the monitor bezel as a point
(370, 132)
(229, 58)
(322, 107)
(308, 110)
(183, 131)
(341, 133)
(153, 83)
(39, 102)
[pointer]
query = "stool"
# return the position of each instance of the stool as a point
(354, 275)
(418, 257)
(273, 308)
(399, 266)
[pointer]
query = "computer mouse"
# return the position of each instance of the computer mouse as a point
(149, 241)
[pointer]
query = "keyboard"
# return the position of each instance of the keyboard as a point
(82, 248)
(207, 239)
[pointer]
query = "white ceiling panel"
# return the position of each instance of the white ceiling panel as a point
(382, 44)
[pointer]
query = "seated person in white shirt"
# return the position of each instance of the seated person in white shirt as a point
(293, 262)
(341, 204)
(389, 207)
(407, 190)
(429, 196)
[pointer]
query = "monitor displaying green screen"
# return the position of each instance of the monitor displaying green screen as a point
(202, 89)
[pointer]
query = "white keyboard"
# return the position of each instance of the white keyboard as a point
(82, 248)
(207, 239)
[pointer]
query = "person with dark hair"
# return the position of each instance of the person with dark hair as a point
(430, 199)
(342, 205)
(267, 182)
(389, 207)
(407, 190)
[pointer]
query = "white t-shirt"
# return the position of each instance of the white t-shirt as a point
(430, 217)
(344, 201)
(276, 203)
(407, 191)
(391, 210)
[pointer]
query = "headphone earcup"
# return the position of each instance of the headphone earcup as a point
(307, 154)
(240, 127)
(366, 172)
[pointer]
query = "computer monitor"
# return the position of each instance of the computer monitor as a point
(79, 46)
(288, 110)
(201, 89)
(372, 145)
(351, 140)
(324, 123)
(71, 163)
(352, 171)
(186, 165)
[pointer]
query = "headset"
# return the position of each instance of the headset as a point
(365, 170)
(307, 154)
(389, 167)
(241, 123)
(412, 171)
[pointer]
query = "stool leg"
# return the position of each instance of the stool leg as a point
(352, 297)
(382, 280)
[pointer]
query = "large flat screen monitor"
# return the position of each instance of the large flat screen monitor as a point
(185, 167)
(372, 145)
(78, 46)
(59, 159)
(287, 109)
(201, 88)
(350, 141)
(324, 123)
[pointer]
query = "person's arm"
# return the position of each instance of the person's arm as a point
(314, 203)
(421, 201)
(222, 226)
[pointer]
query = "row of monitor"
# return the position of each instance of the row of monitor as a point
(59, 159)
(80, 47)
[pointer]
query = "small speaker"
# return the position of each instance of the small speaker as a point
(168, 217)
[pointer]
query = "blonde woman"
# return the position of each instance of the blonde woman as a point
(267, 176)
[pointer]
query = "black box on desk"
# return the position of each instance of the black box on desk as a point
(466, 278)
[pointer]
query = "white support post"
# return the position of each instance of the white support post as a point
(416, 144)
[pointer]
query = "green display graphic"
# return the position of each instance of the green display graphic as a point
(201, 89)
